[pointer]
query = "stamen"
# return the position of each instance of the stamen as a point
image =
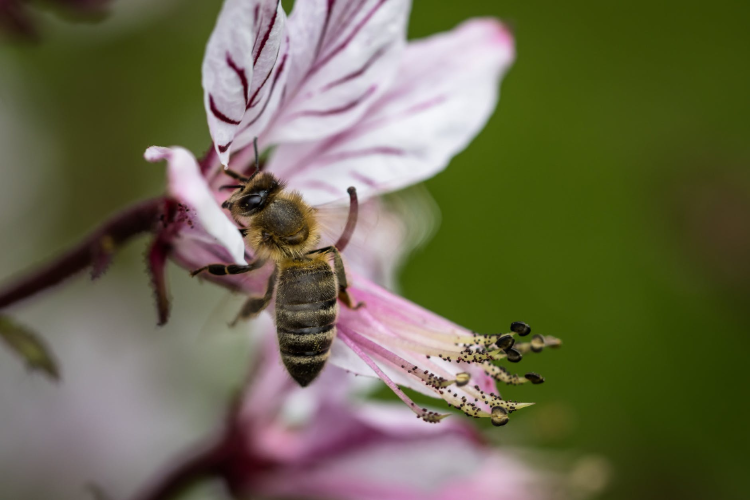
(502, 375)
(505, 342)
(520, 328)
(538, 343)
(423, 413)
(514, 356)
(499, 416)
(462, 379)
(534, 378)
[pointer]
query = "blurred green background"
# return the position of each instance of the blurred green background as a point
(607, 202)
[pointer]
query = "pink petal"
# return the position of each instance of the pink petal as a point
(238, 66)
(186, 183)
(344, 55)
(446, 89)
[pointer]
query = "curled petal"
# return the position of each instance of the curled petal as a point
(344, 55)
(446, 89)
(237, 68)
(188, 185)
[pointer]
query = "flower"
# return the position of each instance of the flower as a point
(336, 98)
(343, 100)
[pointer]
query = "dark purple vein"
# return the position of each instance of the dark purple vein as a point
(341, 109)
(218, 114)
(347, 155)
(325, 28)
(347, 40)
(359, 72)
(348, 15)
(251, 103)
(241, 74)
(270, 91)
(268, 33)
(223, 147)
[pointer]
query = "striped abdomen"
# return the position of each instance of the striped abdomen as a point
(306, 311)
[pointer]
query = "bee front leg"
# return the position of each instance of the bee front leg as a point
(224, 269)
(255, 305)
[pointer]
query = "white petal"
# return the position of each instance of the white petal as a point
(186, 183)
(238, 66)
(446, 89)
(344, 55)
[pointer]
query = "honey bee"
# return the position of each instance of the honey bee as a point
(280, 227)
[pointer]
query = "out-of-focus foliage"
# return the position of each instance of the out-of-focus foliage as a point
(29, 346)
(607, 202)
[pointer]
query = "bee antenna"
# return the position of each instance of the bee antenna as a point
(257, 159)
(232, 186)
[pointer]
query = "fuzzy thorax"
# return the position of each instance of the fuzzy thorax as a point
(285, 229)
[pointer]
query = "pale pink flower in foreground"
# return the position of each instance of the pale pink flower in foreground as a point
(346, 102)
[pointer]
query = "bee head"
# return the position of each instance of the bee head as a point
(253, 196)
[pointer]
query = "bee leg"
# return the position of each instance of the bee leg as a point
(224, 269)
(235, 175)
(338, 268)
(255, 305)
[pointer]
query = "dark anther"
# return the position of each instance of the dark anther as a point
(520, 328)
(537, 343)
(534, 378)
(505, 342)
(513, 355)
(499, 416)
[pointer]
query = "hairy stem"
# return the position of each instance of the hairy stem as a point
(94, 250)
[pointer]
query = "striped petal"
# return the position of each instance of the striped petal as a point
(238, 68)
(447, 88)
(344, 56)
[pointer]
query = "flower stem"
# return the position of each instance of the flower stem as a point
(200, 464)
(96, 250)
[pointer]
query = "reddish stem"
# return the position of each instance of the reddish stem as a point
(130, 222)
(202, 463)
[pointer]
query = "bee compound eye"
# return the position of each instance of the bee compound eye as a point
(251, 202)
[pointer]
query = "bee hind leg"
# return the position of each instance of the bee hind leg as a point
(338, 268)
(255, 305)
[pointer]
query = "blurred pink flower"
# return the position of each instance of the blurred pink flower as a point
(288, 442)
(343, 100)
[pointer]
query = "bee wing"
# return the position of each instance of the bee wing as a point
(387, 230)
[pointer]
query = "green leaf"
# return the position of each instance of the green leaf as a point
(29, 346)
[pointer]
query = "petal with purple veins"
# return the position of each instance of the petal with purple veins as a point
(344, 56)
(447, 87)
(238, 67)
